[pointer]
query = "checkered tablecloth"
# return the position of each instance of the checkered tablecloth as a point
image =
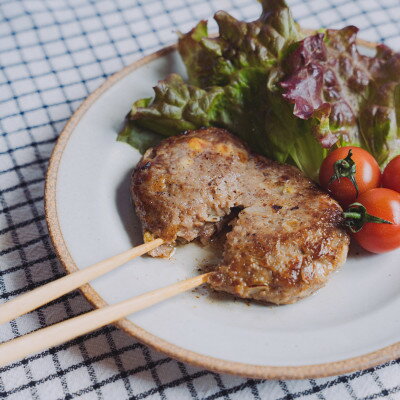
(53, 53)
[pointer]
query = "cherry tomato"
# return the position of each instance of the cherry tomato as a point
(337, 171)
(375, 236)
(391, 175)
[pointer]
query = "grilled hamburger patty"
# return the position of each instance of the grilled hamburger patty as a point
(283, 245)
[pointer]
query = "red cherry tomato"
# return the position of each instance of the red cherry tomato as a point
(391, 175)
(367, 174)
(379, 237)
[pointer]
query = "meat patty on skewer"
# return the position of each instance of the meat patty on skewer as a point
(283, 245)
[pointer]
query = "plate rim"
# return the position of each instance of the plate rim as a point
(362, 362)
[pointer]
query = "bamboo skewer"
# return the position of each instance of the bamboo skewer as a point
(70, 329)
(46, 293)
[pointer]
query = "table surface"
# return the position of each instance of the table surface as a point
(53, 53)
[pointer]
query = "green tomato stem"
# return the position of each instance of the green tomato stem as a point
(351, 215)
(356, 217)
(345, 168)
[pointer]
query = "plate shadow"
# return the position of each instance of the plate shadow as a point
(126, 211)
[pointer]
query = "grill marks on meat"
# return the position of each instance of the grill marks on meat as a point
(284, 243)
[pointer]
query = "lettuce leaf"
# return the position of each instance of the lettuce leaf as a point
(261, 43)
(176, 107)
(228, 76)
(379, 120)
(291, 98)
(349, 98)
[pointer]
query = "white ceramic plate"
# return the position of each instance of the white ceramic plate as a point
(352, 323)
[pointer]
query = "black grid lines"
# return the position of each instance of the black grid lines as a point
(53, 53)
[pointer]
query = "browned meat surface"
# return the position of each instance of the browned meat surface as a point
(184, 187)
(284, 243)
